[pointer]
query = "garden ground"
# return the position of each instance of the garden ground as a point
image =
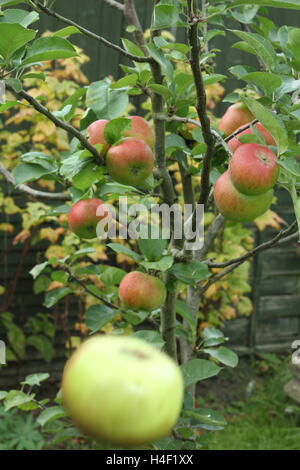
(260, 415)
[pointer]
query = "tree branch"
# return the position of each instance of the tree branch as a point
(264, 246)
(63, 125)
(209, 138)
(33, 192)
(115, 4)
(47, 11)
(222, 142)
(133, 20)
(237, 132)
(232, 267)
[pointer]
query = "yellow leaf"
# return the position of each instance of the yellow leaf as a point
(55, 285)
(5, 227)
(244, 306)
(49, 234)
(269, 219)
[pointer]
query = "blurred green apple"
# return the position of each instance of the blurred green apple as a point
(122, 390)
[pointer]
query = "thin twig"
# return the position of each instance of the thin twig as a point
(133, 20)
(208, 136)
(90, 34)
(237, 132)
(184, 120)
(232, 267)
(102, 299)
(33, 192)
(264, 246)
(63, 125)
(114, 4)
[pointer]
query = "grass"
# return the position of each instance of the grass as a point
(265, 420)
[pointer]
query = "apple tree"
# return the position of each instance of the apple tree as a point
(228, 167)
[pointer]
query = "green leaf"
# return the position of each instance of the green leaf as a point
(53, 296)
(73, 164)
(198, 369)
(293, 4)
(38, 269)
(114, 129)
(205, 416)
(190, 273)
(162, 90)
(49, 48)
(13, 37)
(39, 158)
(106, 103)
(15, 398)
(133, 317)
(260, 46)
(9, 3)
(8, 105)
(245, 14)
(66, 32)
(17, 340)
(270, 121)
(50, 414)
(43, 345)
(35, 379)
(29, 172)
(174, 141)
(165, 16)
(65, 435)
(127, 81)
(152, 337)
(223, 355)
(186, 312)
(132, 48)
(268, 82)
(3, 394)
(159, 56)
(73, 100)
(213, 336)
(21, 17)
(98, 316)
(213, 78)
(82, 252)
(125, 251)
(291, 165)
(162, 265)
(112, 276)
(88, 175)
(36, 75)
(152, 249)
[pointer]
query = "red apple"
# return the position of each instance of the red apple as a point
(253, 169)
(140, 129)
(142, 291)
(130, 162)
(96, 133)
(236, 206)
(234, 143)
(235, 116)
(83, 218)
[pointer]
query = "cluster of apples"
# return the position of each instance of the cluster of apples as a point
(244, 191)
(131, 160)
